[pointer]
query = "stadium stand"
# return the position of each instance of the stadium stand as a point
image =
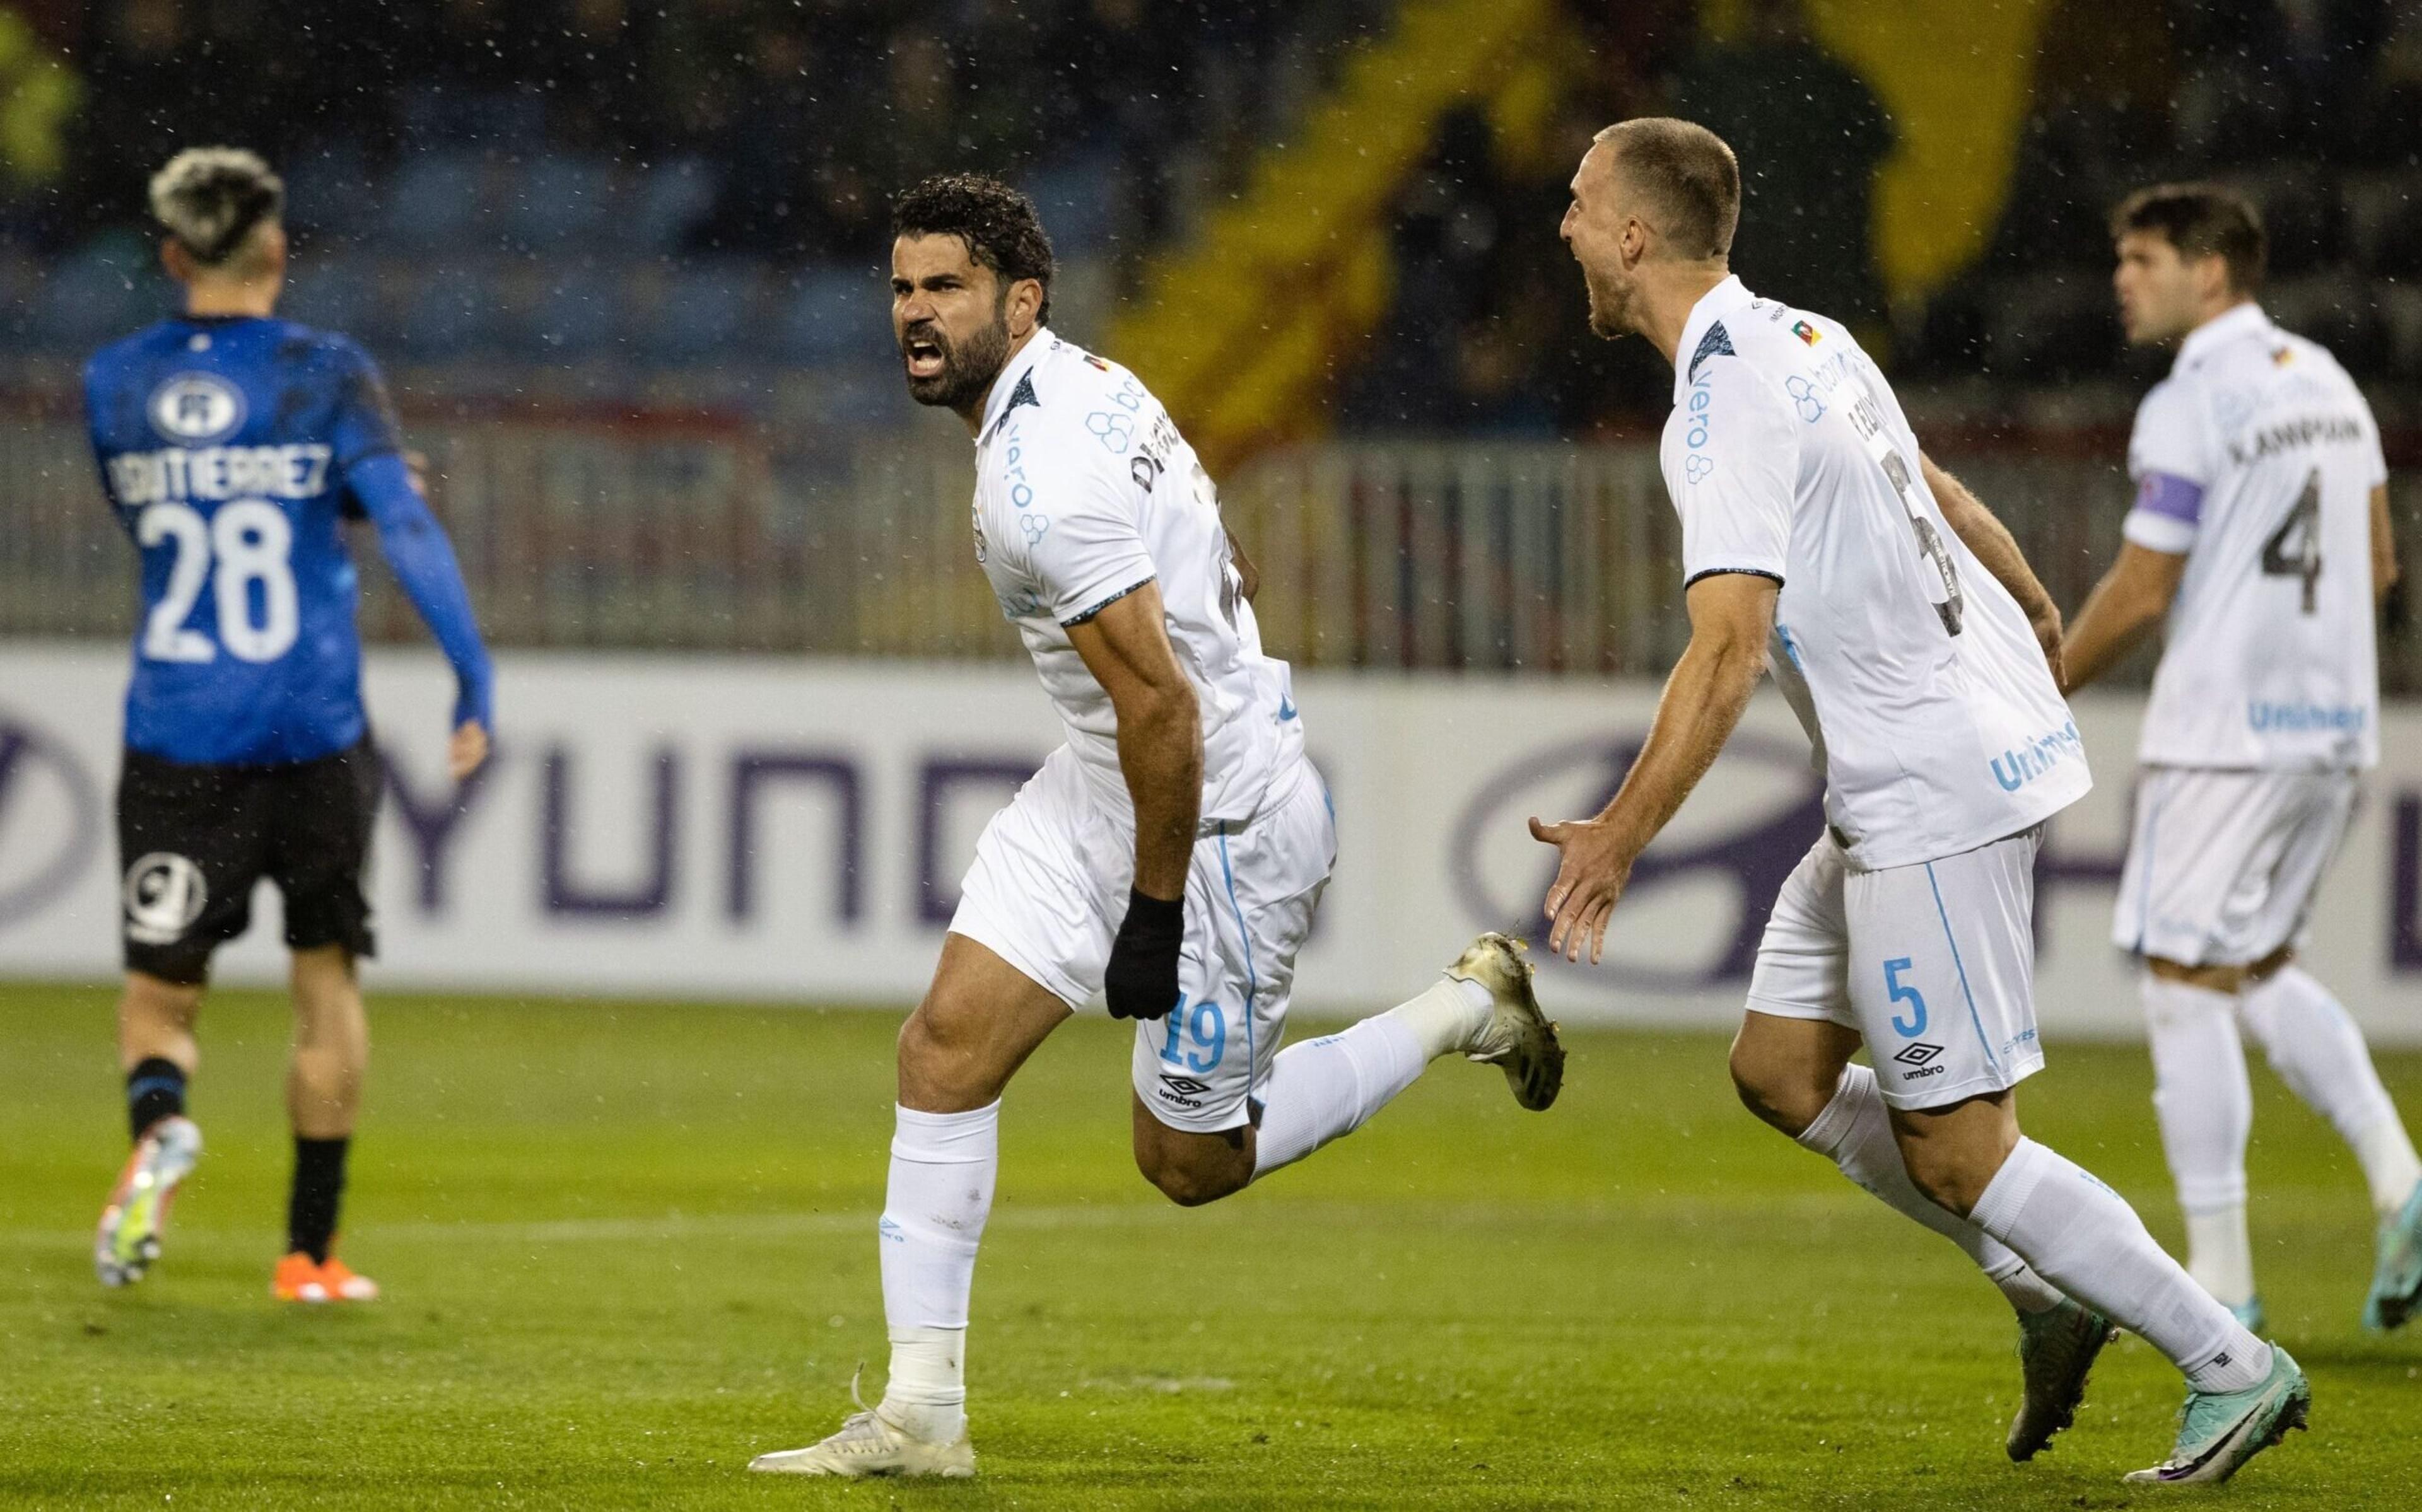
(685, 220)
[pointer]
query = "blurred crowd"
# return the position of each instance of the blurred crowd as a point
(2312, 106)
(811, 111)
(687, 180)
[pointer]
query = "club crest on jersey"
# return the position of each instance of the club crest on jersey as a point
(196, 409)
(1806, 332)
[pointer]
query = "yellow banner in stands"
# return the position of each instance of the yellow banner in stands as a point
(1956, 77)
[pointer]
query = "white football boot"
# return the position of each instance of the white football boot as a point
(1518, 1038)
(870, 1445)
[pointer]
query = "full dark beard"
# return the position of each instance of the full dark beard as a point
(965, 376)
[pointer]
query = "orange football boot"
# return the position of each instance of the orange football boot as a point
(343, 1285)
(297, 1280)
(301, 1279)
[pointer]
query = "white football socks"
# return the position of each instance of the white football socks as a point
(2219, 1254)
(2206, 1108)
(1447, 1016)
(1855, 1134)
(2084, 1238)
(943, 1166)
(2317, 1050)
(1331, 1086)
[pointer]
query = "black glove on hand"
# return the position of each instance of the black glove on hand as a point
(1142, 981)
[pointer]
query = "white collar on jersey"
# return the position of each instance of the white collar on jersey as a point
(1013, 373)
(1713, 305)
(2237, 320)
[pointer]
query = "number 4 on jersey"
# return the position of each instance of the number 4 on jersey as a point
(2294, 550)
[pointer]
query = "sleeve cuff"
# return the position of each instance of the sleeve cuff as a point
(1768, 573)
(2158, 532)
(1100, 599)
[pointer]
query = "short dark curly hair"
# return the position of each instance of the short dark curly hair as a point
(2201, 220)
(1000, 226)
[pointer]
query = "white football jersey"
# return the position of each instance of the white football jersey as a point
(1085, 492)
(2255, 459)
(1936, 723)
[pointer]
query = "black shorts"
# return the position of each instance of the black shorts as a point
(194, 841)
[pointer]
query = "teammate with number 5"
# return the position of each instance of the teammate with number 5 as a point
(233, 445)
(2261, 533)
(1920, 654)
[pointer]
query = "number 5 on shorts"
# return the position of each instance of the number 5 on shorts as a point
(1902, 992)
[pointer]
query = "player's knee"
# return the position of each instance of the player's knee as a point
(1189, 1183)
(922, 1048)
(1784, 1095)
(1190, 1169)
(156, 1001)
(2271, 964)
(1950, 1177)
(942, 1062)
(2211, 978)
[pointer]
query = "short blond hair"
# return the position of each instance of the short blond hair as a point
(1689, 176)
(212, 198)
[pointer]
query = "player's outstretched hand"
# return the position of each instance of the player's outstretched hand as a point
(1589, 882)
(1141, 980)
(468, 750)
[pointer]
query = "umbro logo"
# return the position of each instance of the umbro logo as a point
(1918, 1055)
(1186, 1086)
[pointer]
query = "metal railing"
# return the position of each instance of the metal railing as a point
(689, 533)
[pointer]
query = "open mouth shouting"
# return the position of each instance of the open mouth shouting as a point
(924, 354)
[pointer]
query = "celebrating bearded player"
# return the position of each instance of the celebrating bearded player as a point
(2260, 531)
(1169, 855)
(233, 445)
(1916, 648)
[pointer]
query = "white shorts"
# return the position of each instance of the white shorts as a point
(1932, 964)
(1049, 888)
(2221, 865)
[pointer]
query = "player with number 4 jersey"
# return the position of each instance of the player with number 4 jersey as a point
(2260, 538)
(234, 448)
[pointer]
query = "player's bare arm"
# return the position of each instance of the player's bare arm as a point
(2123, 608)
(1126, 648)
(1732, 615)
(1995, 546)
(2385, 570)
(1249, 577)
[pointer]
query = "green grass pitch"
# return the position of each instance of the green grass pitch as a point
(627, 1246)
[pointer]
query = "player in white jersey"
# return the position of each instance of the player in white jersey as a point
(1916, 648)
(2260, 534)
(1169, 856)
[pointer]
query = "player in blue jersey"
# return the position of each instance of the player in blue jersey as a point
(233, 447)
